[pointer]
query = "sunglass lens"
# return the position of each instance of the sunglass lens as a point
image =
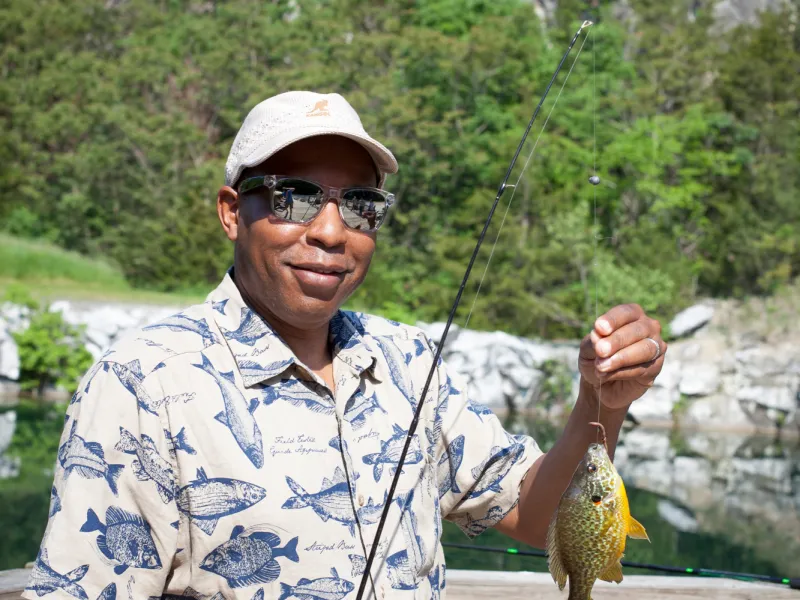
(363, 209)
(296, 200)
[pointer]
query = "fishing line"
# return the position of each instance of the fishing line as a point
(594, 180)
(792, 582)
(412, 427)
(516, 183)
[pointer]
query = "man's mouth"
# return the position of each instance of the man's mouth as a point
(319, 278)
(320, 268)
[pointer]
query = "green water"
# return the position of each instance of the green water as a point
(727, 537)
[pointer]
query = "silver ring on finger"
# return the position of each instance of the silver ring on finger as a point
(658, 348)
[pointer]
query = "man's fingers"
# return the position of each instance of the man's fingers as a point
(643, 351)
(627, 335)
(617, 317)
(643, 372)
(587, 349)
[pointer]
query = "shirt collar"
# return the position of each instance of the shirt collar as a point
(261, 354)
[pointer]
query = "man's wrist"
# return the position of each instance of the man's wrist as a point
(591, 397)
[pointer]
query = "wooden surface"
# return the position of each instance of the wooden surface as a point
(483, 585)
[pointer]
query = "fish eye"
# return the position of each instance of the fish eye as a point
(591, 468)
(596, 499)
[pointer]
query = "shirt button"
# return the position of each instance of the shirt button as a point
(361, 499)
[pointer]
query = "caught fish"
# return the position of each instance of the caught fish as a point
(587, 534)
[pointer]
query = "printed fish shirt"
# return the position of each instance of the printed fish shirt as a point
(201, 459)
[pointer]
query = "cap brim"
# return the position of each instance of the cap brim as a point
(384, 159)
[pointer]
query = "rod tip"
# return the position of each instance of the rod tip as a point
(586, 24)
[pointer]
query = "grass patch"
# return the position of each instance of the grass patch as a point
(52, 273)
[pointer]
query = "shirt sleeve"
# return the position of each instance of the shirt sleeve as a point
(112, 524)
(480, 465)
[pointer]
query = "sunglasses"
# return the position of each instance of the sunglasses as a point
(296, 200)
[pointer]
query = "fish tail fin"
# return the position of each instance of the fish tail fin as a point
(182, 444)
(127, 443)
(113, 473)
(286, 591)
(92, 522)
(636, 530)
(290, 550)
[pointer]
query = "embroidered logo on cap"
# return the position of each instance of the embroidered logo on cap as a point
(320, 110)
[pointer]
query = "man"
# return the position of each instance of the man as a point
(244, 447)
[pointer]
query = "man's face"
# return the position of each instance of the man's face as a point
(279, 266)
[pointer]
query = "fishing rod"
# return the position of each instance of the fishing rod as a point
(792, 582)
(451, 316)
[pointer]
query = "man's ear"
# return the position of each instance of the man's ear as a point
(228, 211)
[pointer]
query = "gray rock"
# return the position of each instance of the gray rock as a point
(656, 404)
(781, 398)
(9, 357)
(8, 424)
(690, 320)
(679, 518)
(698, 379)
(650, 444)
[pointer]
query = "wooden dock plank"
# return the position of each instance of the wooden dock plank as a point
(485, 585)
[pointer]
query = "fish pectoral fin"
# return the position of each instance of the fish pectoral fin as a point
(636, 530)
(612, 572)
(554, 563)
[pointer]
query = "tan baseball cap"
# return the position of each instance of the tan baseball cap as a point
(286, 118)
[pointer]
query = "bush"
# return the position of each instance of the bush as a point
(51, 351)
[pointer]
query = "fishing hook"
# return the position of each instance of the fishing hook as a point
(602, 433)
(412, 427)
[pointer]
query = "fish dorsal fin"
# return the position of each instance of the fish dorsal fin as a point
(254, 402)
(612, 572)
(135, 367)
(636, 530)
(338, 476)
(303, 581)
(554, 563)
(334, 573)
(228, 375)
(201, 474)
(237, 531)
(397, 429)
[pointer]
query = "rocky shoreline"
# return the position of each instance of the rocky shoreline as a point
(719, 373)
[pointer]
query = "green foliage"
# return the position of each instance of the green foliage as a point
(51, 351)
(118, 118)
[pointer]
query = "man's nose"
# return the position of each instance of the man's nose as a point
(327, 229)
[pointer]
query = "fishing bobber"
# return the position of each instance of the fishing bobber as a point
(594, 180)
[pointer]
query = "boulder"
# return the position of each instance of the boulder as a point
(656, 404)
(690, 320)
(699, 379)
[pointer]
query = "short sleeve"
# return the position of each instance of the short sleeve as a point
(480, 465)
(112, 510)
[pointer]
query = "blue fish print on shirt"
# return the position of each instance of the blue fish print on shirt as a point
(477, 526)
(479, 409)
(297, 393)
(390, 453)
(252, 371)
(370, 513)
(130, 376)
(246, 560)
(336, 443)
(237, 416)
(396, 362)
(179, 442)
(188, 594)
(220, 306)
(401, 575)
(493, 469)
(358, 564)
(408, 522)
(331, 502)
(148, 465)
(181, 322)
(251, 328)
(448, 466)
(419, 348)
(109, 592)
(46, 580)
(436, 585)
(324, 588)
(55, 501)
(359, 407)
(125, 539)
(87, 459)
(205, 500)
